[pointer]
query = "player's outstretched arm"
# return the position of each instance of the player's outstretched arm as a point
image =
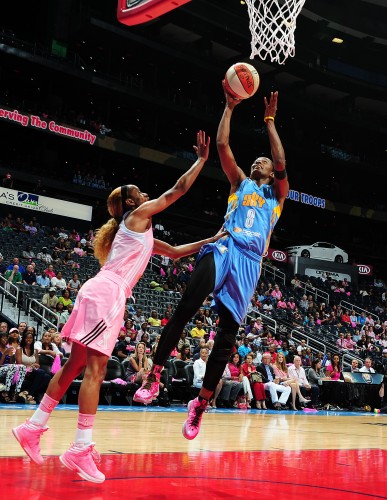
(149, 208)
(234, 174)
(281, 184)
(163, 248)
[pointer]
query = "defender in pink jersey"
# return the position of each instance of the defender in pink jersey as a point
(123, 246)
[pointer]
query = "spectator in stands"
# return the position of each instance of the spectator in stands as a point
(57, 340)
(334, 370)
(29, 277)
(46, 347)
(236, 376)
(296, 282)
(276, 293)
(271, 383)
(301, 346)
(8, 371)
(144, 328)
(341, 342)
(43, 280)
(282, 373)
(154, 319)
(304, 304)
(138, 366)
(353, 319)
(50, 271)
(345, 318)
(44, 255)
(297, 372)
(258, 388)
(361, 319)
(139, 317)
(58, 282)
(183, 341)
(199, 368)
(282, 306)
(197, 349)
(231, 388)
(121, 348)
(7, 182)
(367, 367)
(273, 353)
(245, 348)
(145, 339)
(74, 285)
(50, 299)
(316, 377)
(165, 318)
(199, 316)
(28, 253)
(354, 365)
(27, 356)
(284, 348)
(208, 320)
(65, 298)
(267, 307)
(198, 331)
(14, 275)
(306, 357)
(349, 343)
(184, 353)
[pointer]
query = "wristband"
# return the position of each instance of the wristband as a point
(268, 118)
(280, 174)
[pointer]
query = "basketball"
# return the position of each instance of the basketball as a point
(241, 80)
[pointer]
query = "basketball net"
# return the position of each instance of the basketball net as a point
(272, 26)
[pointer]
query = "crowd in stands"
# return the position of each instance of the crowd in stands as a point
(269, 365)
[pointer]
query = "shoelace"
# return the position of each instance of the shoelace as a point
(36, 429)
(198, 413)
(88, 449)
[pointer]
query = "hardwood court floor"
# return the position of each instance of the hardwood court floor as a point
(236, 454)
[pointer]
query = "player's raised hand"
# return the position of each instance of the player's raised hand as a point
(202, 147)
(271, 106)
(230, 100)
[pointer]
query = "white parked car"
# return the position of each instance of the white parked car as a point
(319, 250)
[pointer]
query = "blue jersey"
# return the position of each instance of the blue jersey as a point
(252, 213)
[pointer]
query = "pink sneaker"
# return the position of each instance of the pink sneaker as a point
(191, 426)
(82, 460)
(28, 435)
(149, 389)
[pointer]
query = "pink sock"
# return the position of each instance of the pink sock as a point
(42, 414)
(84, 433)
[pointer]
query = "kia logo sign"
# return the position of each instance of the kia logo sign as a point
(278, 255)
(364, 269)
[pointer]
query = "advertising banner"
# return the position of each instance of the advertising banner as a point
(30, 201)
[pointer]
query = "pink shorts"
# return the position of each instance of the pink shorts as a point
(98, 313)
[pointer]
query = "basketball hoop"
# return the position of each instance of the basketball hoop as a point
(272, 26)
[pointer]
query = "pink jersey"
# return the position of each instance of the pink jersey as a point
(129, 254)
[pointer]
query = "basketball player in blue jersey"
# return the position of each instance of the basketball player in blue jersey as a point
(230, 267)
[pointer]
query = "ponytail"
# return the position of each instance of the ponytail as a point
(105, 235)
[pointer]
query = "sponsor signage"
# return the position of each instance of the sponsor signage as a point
(278, 255)
(365, 269)
(306, 199)
(31, 201)
(36, 122)
(318, 273)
